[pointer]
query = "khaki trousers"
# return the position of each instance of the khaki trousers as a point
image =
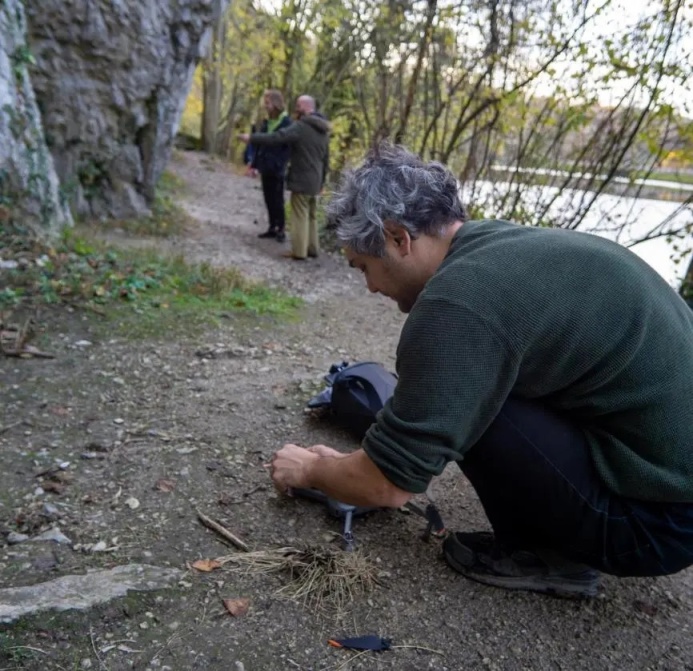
(304, 225)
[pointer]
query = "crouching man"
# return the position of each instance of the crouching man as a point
(555, 368)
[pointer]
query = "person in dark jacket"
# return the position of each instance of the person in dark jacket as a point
(308, 141)
(270, 161)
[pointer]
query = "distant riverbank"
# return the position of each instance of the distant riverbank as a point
(654, 189)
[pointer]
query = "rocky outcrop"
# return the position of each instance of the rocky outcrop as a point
(29, 191)
(111, 80)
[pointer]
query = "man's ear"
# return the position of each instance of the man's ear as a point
(398, 237)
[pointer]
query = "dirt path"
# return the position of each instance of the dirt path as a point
(149, 431)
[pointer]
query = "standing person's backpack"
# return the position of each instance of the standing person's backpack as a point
(355, 394)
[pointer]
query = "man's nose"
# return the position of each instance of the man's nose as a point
(371, 286)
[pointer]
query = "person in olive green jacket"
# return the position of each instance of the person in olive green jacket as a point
(554, 367)
(308, 140)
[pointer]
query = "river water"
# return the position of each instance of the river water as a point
(619, 218)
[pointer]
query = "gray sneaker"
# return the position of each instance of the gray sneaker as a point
(479, 557)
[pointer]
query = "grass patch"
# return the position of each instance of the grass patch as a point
(87, 273)
(679, 177)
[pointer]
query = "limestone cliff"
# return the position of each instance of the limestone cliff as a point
(111, 78)
(28, 184)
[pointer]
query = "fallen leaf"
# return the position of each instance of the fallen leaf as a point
(60, 410)
(165, 485)
(206, 565)
(53, 486)
(237, 607)
(225, 499)
(646, 608)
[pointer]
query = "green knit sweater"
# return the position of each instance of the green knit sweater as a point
(574, 321)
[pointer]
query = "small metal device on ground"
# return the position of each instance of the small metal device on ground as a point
(348, 512)
(337, 509)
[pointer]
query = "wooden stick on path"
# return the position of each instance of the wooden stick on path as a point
(222, 531)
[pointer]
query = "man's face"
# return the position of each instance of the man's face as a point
(390, 275)
(301, 109)
(267, 104)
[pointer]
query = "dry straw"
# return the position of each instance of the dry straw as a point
(318, 576)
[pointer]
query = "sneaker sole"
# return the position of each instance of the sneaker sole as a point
(560, 586)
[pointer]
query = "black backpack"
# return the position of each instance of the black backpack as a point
(355, 394)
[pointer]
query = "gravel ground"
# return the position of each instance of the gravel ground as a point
(149, 431)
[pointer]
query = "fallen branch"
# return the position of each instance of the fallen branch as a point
(418, 647)
(14, 339)
(7, 427)
(222, 531)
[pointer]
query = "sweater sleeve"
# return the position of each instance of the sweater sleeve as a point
(455, 372)
(288, 135)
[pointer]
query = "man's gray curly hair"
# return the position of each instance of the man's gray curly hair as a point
(393, 185)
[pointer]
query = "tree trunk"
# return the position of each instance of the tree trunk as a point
(212, 88)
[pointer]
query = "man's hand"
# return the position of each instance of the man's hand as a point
(250, 171)
(324, 451)
(350, 478)
(244, 137)
(290, 467)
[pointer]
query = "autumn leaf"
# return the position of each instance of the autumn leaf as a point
(206, 565)
(53, 486)
(237, 607)
(165, 485)
(60, 410)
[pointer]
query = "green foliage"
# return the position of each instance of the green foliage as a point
(86, 273)
(575, 95)
(21, 57)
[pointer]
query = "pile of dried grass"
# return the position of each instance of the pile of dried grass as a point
(318, 576)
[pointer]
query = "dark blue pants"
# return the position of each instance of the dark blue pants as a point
(273, 191)
(534, 474)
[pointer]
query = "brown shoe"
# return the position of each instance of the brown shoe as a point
(291, 255)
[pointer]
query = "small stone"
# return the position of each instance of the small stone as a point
(45, 562)
(144, 625)
(13, 538)
(92, 455)
(99, 547)
(50, 510)
(39, 491)
(85, 664)
(53, 534)
(83, 343)
(118, 420)
(132, 503)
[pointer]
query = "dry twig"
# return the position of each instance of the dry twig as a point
(222, 531)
